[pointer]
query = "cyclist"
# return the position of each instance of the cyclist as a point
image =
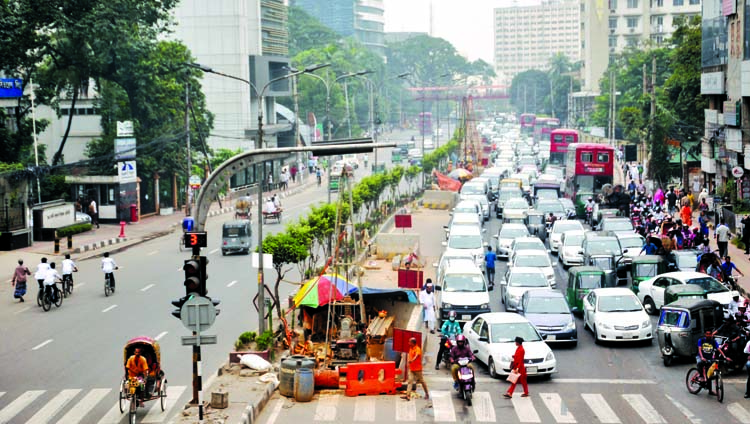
(41, 273)
(68, 268)
(727, 267)
(707, 348)
(109, 266)
(50, 278)
(449, 329)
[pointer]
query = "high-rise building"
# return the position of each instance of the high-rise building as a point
(361, 19)
(526, 37)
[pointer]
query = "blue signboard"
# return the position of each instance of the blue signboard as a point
(10, 88)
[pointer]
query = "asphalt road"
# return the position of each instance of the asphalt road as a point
(616, 383)
(66, 365)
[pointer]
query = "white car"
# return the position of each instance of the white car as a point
(570, 252)
(469, 206)
(483, 202)
(466, 240)
(616, 314)
(505, 237)
(559, 227)
(527, 243)
(462, 219)
(651, 291)
(631, 245)
(517, 281)
(493, 336)
(515, 208)
(535, 259)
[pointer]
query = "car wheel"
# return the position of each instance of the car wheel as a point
(596, 336)
(491, 368)
(649, 305)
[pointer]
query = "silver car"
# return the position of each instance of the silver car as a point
(517, 281)
(505, 237)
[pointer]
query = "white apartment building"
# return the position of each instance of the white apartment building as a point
(526, 37)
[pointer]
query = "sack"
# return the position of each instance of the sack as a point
(513, 376)
(255, 362)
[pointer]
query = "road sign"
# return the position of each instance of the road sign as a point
(127, 172)
(198, 314)
(738, 172)
(198, 340)
(195, 181)
(267, 260)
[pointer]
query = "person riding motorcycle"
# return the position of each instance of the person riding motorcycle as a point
(450, 328)
(460, 350)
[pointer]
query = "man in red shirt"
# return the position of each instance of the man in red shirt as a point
(415, 370)
(518, 366)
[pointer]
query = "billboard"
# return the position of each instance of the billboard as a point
(11, 88)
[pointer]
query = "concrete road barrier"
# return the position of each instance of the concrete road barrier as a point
(437, 199)
(392, 244)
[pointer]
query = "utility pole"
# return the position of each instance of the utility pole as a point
(348, 116)
(524, 98)
(188, 201)
(653, 108)
(613, 107)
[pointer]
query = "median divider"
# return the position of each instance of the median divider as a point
(438, 199)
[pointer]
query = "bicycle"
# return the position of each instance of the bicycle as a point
(109, 288)
(695, 383)
(53, 295)
(67, 284)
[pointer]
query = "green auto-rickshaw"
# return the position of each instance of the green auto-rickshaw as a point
(677, 292)
(581, 280)
(645, 267)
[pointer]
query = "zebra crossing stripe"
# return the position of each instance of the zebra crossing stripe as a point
(686, 412)
(54, 406)
(114, 416)
(525, 410)
(442, 404)
(739, 412)
(557, 407)
(600, 408)
(643, 407)
(326, 408)
(21, 402)
(155, 415)
(84, 406)
(484, 411)
(364, 409)
(405, 411)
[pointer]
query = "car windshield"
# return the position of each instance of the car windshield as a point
(234, 232)
(646, 270)
(532, 261)
(480, 198)
(709, 284)
(590, 281)
(624, 303)
(687, 261)
(563, 226)
(465, 242)
(547, 305)
(507, 333)
(546, 194)
(465, 209)
(603, 262)
(516, 204)
(529, 245)
(573, 240)
(528, 279)
(463, 283)
(508, 194)
(554, 207)
(510, 233)
(631, 242)
(674, 318)
(618, 225)
(604, 247)
(472, 189)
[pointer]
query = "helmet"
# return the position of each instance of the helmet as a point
(452, 315)
(460, 340)
(590, 198)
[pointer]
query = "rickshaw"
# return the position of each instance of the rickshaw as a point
(242, 208)
(677, 292)
(535, 222)
(581, 280)
(682, 323)
(644, 267)
(136, 390)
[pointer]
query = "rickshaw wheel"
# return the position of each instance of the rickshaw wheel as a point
(133, 408)
(163, 393)
(123, 397)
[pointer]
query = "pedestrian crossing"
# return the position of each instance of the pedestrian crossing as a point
(73, 406)
(545, 407)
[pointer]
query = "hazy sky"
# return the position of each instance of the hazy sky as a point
(467, 24)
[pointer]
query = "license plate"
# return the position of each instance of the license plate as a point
(551, 338)
(466, 317)
(631, 335)
(531, 370)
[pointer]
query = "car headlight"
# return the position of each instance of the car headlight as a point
(447, 306)
(506, 358)
(550, 357)
(646, 324)
(571, 326)
(484, 306)
(604, 325)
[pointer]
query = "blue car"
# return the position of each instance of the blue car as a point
(549, 312)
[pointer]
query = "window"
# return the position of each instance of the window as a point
(612, 41)
(657, 3)
(694, 2)
(632, 22)
(678, 2)
(477, 325)
(613, 4)
(602, 157)
(587, 157)
(613, 23)
(632, 4)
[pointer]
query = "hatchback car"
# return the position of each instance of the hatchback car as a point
(631, 245)
(616, 314)
(493, 336)
(549, 312)
(559, 227)
(515, 208)
(617, 225)
(505, 237)
(651, 292)
(467, 240)
(536, 259)
(517, 281)
(527, 243)
(469, 206)
(570, 252)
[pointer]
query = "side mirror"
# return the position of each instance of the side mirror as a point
(625, 251)
(575, 310)
(484, 339)
(475, 351)
(445, 227)
(438, 288)
(444, 243)
(544, 337)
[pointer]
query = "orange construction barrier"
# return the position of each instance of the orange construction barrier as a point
(370, 378)
(326, 379)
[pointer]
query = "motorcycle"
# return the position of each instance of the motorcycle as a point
(448, 343)
(466, 382)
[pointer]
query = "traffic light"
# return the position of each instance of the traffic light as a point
(193, 277)
(203, 261)
(177, 313)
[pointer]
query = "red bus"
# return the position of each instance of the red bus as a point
(590, 166)
(425, 123)
(527, 122)
(559, 140)
(544, 126)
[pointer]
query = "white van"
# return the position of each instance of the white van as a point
(461, 287)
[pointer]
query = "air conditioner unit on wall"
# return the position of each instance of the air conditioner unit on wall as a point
(632, 29)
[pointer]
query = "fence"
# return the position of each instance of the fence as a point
(12, 218)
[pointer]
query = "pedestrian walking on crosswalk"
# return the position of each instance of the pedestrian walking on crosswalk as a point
(518, 366)
(415, 370)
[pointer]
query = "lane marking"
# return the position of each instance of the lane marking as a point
(79, 285)
(601, 408)
(525, 410)
(326, 409)
(644, 408)
(155, 415)
(434, 379)
(54, 406)
(147, 287)
(162, 334)
(21, 402)
(113, 416)
(484, 411)
(22, 310)
(739, 412)
(84, 406)
(364, 409)
(233, 282)
(405, 411)
(152, 253)
(557, 407)
(42, 344)
(213, 251)
(442, 404)
(686, 412)
(109, 308)
(275, 411)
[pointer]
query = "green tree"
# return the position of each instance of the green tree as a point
(529, 91)
(285, 251)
